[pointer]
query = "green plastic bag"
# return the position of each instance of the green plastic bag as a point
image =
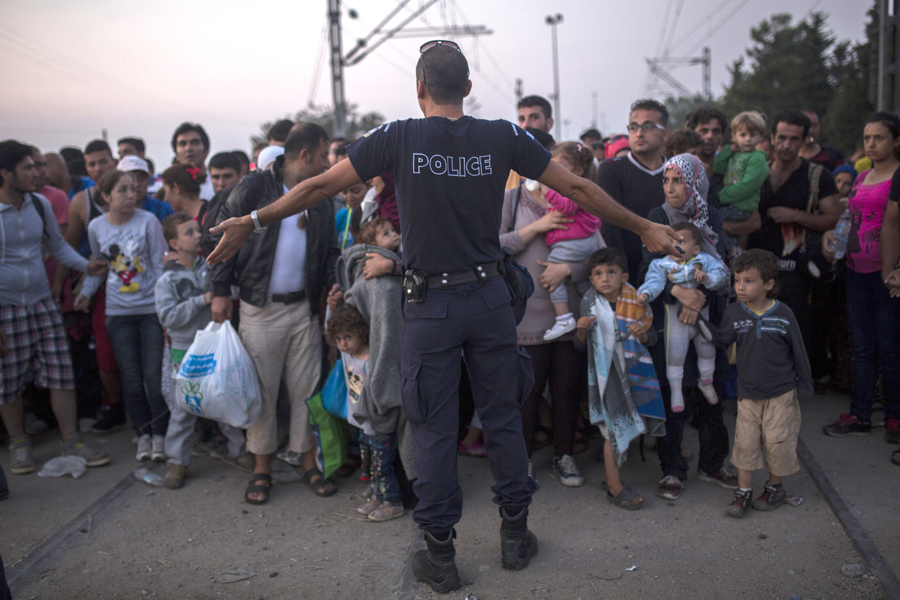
(330, 436)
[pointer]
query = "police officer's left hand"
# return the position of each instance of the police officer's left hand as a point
(234, 233)
(658, 238)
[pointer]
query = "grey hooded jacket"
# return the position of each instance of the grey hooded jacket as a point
(180, 304)
(379, 300)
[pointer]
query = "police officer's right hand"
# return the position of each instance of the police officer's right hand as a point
(377, 265)
(221, 309)
(659, 238)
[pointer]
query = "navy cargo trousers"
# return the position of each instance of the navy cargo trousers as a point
(476, 321)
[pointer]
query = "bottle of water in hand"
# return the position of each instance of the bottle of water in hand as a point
(841, 234)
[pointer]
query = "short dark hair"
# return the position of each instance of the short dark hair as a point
(651, 104)
(347, 319)
(792, 116)
(70, 154)
(151, 167)
(187, 128)
(445, 72)
(539, 101)
(591, 133)
(97, 146)
(682, 140)
(304, 136)
(764, 262)
(280, 130)
(690, 228)
(138, 143)
(241, 157)
(170, 224)
(703, 115)
(339, 150)
(11, 154)
(225, 160)
(609, 256)
(889, 120)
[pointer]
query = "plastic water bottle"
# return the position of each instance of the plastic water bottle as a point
(841, 233)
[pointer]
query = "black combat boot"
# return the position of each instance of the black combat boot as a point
(436, 566)
(518, 544)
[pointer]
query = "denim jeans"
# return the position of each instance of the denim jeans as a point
(137, 342)
(874, 332)
(383, 448)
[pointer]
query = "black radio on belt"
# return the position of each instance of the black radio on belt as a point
(414, 286)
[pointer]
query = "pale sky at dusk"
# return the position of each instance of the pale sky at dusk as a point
(70, 69)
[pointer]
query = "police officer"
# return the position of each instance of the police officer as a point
(450, 171)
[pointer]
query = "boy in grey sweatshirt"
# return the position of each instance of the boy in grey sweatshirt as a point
(183, 300)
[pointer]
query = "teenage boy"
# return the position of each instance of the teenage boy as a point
(623, 388)
(183, 298)
(773, 372)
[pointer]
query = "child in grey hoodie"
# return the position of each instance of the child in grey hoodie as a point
(183, 300)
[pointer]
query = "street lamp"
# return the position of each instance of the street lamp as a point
(553, 21)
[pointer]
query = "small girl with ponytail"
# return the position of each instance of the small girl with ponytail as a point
(577, 242)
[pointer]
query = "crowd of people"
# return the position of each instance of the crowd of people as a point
(784, 281)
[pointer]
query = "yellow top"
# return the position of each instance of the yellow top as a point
(760, 313)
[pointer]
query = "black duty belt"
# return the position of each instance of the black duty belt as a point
(289, 298)
(476, 275)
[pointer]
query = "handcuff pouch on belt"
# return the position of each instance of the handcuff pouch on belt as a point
(414, 286)
(517, 279)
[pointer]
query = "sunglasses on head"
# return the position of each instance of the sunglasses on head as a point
(435, 43)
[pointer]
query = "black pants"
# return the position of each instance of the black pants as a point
(795, 294)
(712, 430)
(5, 594)
(474, 320)
(560, 363)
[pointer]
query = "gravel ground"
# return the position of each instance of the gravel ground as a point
(154, 542)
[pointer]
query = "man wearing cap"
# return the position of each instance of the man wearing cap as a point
(450, 171)
(139, 170)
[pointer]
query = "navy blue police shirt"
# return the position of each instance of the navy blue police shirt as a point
(450, 178)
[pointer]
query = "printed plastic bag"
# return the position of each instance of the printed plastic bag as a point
(334, 392)
(329, 433)
(217, 379)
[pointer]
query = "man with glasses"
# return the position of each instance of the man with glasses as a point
(635, 180)
(450, 171)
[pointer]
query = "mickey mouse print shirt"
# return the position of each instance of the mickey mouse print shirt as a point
(135, 252)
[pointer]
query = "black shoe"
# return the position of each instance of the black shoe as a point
(740, 502)
(518, 544)
(436, 565)
(111, 419)
(772, 497)
(846, 425)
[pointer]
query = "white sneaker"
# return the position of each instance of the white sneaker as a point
(158, 451)
(144, 445)
(562, 326)
(567, 471)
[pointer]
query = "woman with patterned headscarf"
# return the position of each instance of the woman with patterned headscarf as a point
(687, 186)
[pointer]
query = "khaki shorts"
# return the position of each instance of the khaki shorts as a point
(769, 427)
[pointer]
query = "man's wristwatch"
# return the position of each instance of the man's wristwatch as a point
(257, 227)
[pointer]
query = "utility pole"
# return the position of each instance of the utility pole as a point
(553, 21)
(337, 68)
(707, 80)
(594, 98)
(519, 92)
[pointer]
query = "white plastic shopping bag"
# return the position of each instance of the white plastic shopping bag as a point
(217, 379)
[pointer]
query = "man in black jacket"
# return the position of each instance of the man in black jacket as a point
(281, 272)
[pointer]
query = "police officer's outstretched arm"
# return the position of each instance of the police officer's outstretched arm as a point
(304, 195)
(589, 196)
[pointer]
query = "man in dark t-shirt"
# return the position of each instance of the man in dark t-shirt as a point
(818, 153)
(450, 171)
(635, 180)
(787, 221)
